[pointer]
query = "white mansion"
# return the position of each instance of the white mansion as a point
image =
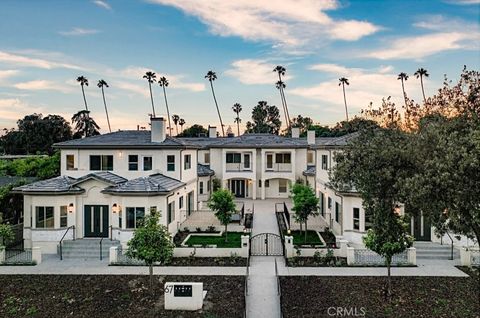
(109, 182)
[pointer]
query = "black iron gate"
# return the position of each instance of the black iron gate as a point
(266, 244)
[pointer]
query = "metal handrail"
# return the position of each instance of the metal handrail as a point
(61, 240)
(451, 252)
(111, 232)
(101, 256)
(278, 278)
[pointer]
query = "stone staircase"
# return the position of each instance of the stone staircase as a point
(431, 250)
(86, 249)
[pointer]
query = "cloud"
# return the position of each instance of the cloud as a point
(286, 22)
(31, 61)
(4, 74)
(102, 4)
(463, 2)
(366, 85)
(38, 85)
(250, 71)
(12, 109)
(78, 32)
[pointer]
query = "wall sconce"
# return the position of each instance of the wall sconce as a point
(289, 232)
(120, 154)
(70, 208)
(115, 208)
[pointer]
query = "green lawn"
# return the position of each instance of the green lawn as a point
(234, 240)
(299, 238)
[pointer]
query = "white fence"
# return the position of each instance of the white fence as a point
(366, 257)
(470, 256)
(20, 257)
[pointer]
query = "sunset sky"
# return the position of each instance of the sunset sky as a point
(46, 45)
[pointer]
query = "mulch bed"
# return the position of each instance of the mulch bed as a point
(308, 261)
(208, 261)
(419, 297)
(112, 296)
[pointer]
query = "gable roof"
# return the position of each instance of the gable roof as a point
(104, 176)
(204, 170)
(57, 185)
(156, 184)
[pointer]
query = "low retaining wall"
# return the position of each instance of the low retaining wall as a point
(363, 256)
(470, 256)
(27, 256)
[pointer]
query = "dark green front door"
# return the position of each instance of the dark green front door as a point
(96, 221)
(421, 228)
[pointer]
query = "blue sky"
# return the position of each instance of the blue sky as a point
(45, 45)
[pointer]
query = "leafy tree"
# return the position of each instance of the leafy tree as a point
(42, 167)
(222, 203)
(194, 131)
(305, 204)
(376, 164)
(85, 126)
(6, 234)
(151, 243)
(151, 78)
(265, 119)
(211, 77)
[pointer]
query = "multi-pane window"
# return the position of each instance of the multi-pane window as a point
(170, 212)
(310, 158)
(135, 217)
(147, 163)
(324, 162)
(234, 158)
(104, 162)
(201, 187)
(329, 203)
(322, 203)
(170, 163)
(208, 186)
(44, 217)
(133, 162)
(356, 218)
(70, 159)
(187, 162)
(246, 161)
(207, 157)
(63, 216)
(282, 186)
(283, 158)
(337, 211)
(180, 202)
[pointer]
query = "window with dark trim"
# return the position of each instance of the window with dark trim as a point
(329, 203)
(337, 212)
(170, 163)
(44, 217)
(208, 186)
(282, 186)
(233, 158)
(147, 163)
(63, 216)
(70, 160)
(170, 212)
(356, 218)
(101, 163)
(283, 158)
(322, 203)
(207, 157)
(133, 162)
(201, 188)
(135, 217)
(180, 202)
(187, 162)
(324, 162)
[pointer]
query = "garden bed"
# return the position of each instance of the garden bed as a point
(312, 296)
(112, 296)
(316, 262)
(234, 240)
(313, 238)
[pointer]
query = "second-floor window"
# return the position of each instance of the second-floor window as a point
(356, 218)
(283, 158)
(324, 162)
(70, 159)
(207, 158)
(201, 187)
(147, 163)
(133, 162)
(322, 204)
(180, 202)
(233, 158)
(310, 158)
(99, 163)
(246, 161)
(170, 163)
(187, 162)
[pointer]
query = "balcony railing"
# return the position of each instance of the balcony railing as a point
(279, 167)
(237, 167)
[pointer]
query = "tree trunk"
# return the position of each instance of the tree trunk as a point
(151, 98)
(306, 231)
(84, 99)
(150, 272)
(226, 238)
(404, 96)
(106, 110)
(345, 100)
(388, 293)
(168, 112)
(238, 126)
(286, 108)
(218, 110)
(176, 128)
(423, 91)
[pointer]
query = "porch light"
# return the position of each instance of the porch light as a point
(397, 210)
(115, 208)
(245, 230)
(70, 208)
(289, 232)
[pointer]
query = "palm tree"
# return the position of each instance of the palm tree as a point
(280, 86)
(85, 126)
(281, 72)
(151, 78)
(101, 84)
(343, 81)
(163, 82)
(175, 119)
(237, 108)
(420, 73)
(403, 77)
(211, 76)
(83, 82)
(181, 122)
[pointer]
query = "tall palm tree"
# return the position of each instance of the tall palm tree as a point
(403, 77)
(420, 73)
(151, 78)
(85, 126)
(101, 84)
(175, 119)
(163, 82)
(181, 122)
(237, 108)
(280, 86)
(211, 76)
(343, 81)
(83, 82)
(280, 70)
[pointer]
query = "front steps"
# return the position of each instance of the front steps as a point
(431, 250)
(86, 249)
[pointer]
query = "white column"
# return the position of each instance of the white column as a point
(254, 189)
(350, 255)
(465, 257)
(289, 250)
(412, 255)
(113, 254)
(342, 245)
(37, 255)
(245, 245)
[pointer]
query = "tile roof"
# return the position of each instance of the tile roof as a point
(310, 171)
(151, 185)
(62, 184)
(104, 176)
(204, 170)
